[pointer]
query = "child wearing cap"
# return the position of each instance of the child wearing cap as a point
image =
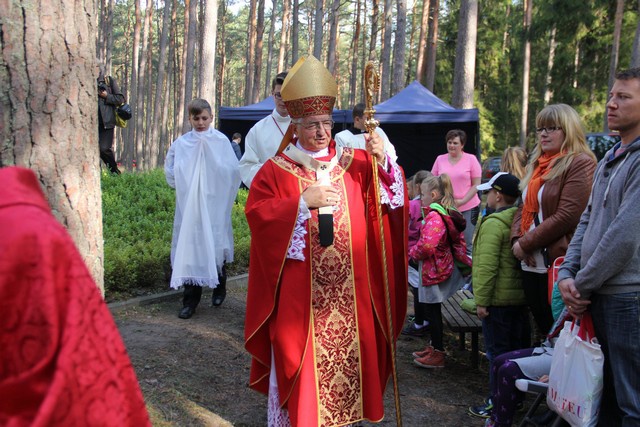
(497, 288)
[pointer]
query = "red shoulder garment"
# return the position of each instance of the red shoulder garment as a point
(62, 360)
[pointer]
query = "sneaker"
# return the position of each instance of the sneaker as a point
(412, 331)
(482, 411)
(435, 359)
(419, 354)
(489, 423)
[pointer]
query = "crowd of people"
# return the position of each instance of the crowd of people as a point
(311, 279)
(339, 236)
(552, 203)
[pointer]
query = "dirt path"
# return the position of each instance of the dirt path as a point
(194, 372)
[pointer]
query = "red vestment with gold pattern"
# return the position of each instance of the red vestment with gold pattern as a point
(62, 361)
(324, 318)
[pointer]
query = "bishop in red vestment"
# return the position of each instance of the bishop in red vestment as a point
(316, 323)
(62, 361)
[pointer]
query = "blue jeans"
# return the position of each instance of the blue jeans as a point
(505, 329)
(616, 319)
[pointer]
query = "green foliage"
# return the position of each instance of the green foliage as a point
(138, 211)
(137, 225)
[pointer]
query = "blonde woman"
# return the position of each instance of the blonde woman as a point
(514, 161)
(555, 191)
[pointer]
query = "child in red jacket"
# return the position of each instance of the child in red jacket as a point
(441, 251)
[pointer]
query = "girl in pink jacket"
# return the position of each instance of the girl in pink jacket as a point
(441, 250)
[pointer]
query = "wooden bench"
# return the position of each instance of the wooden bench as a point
(463, 322)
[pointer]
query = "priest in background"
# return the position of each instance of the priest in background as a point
(355, 136)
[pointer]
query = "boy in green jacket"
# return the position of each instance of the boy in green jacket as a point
(497, 289)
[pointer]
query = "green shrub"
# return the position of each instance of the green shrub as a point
(138, 213)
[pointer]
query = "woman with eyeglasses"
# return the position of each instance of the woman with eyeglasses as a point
(555, 192)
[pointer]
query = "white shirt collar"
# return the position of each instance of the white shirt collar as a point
(278, 117)
(313, 154)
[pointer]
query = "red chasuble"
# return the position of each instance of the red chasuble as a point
(62, 361)
(324, 317)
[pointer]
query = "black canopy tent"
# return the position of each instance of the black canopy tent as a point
(415, 120)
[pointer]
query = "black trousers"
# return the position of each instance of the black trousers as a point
(535, 292)
(192, 294)
(434, 316)
(419, 308)
(105, 140)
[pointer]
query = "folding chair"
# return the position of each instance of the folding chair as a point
(540, 389)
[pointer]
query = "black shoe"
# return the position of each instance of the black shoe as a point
(412, 331)
(186, 312)
(482, 411)
(219, 294)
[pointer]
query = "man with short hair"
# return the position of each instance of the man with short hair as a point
(264, 137)
(236, 139)
(316, 318)
(354, 136)
(601, 270)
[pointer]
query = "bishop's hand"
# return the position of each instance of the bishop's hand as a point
(318, 196)
(375, 146)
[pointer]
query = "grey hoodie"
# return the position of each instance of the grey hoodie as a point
(604, 254)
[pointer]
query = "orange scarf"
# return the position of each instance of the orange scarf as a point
(531, 206)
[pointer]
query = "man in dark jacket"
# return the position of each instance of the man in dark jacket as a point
(109, 98)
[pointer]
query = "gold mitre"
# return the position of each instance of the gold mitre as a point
(309, 89)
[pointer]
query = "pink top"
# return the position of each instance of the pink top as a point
(461, 175)
(415, 218)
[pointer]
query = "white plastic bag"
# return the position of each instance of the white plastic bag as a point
(575, 379)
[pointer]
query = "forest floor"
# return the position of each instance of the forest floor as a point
(195, 372)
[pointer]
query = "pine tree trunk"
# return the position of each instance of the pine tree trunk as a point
(159, 102)
(421, 63)
(130, 139)
(635, 51)
(208, 64)
(332, 54)
(167, 132)
(432, 45)
(221, 49)
(525, 72)
(142, 91)
(615, 51)
(410, 71)
(48, 120)
(251, 47)
(149, 152)
(295, 30)
(188, 71)
(109, 34)
(353, 78)
(318, 22)
(385, 56)
(548, 93)
(267, 86)
(257, 73)
(464, 72)
(286, 12)
(375, 17)
(397, 82)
